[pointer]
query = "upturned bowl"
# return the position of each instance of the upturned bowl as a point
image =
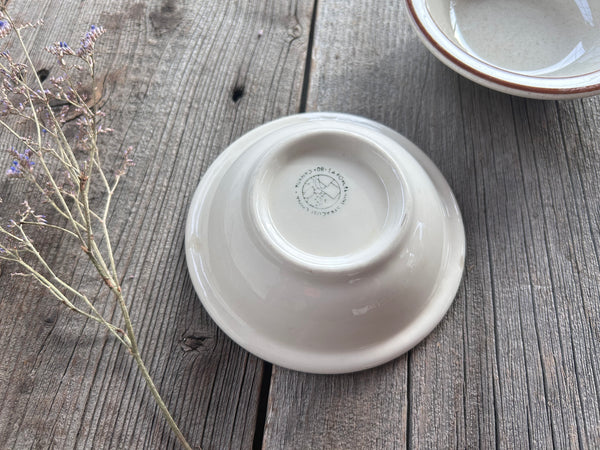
(545, 49)
(325, 243)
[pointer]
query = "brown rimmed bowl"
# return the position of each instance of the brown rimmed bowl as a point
(544, 49)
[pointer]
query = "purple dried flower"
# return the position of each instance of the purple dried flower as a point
(4, 28)
(60, 49)
(14, 171)
(21, 164)
(88, 41)
(127, 162)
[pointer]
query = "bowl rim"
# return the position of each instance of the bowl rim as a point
(478, 69)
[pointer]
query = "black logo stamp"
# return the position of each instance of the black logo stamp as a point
(321, 191)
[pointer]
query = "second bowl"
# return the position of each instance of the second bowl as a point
(545, 49)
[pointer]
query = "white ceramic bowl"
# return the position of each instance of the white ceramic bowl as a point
(546, 49)
(325, 243)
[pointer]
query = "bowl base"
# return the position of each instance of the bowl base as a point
(328, 195)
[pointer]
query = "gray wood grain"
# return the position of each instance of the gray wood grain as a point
(515, 362)
(169, 70)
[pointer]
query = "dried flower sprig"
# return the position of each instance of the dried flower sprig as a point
(63, 171)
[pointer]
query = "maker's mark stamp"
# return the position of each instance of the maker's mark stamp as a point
(321, 191)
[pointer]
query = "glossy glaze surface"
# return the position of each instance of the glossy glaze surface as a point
(325, 243)
(554, 38)
(535, 48)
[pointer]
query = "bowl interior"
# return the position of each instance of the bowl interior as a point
(545, 38)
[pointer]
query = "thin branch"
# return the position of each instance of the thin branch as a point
(78, 211)
(47, 225)
(63, 299)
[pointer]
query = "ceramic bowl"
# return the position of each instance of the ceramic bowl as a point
(325, 243)
(546, 49)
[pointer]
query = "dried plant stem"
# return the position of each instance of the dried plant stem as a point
(47, 282)
(72, 203)
(144, 371)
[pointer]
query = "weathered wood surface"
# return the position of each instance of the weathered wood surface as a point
(515, 363)
(169, 70)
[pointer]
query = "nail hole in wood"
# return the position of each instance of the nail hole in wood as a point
(43, 74)
(237, 94)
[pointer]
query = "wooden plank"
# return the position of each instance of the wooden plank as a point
(514, 364)
(180, 81)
